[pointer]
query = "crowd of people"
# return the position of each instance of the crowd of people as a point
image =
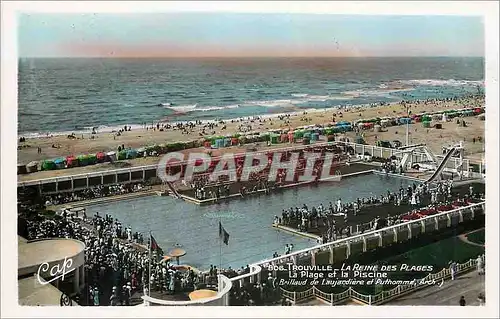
(263, 293)
(205, 188)
(306, 219)
(98, 191)
(116, 260)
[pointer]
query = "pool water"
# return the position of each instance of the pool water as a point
(247, 220)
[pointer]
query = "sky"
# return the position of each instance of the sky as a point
(246, 35)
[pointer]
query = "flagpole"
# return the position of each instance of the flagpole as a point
(149, 278)
(220, 245)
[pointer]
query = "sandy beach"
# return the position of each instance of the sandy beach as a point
(434, 138)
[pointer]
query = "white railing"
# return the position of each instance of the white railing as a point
(256, 268)
(381, 297)
(221, 299)
(289, 257)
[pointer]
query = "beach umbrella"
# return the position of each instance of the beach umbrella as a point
(202, 294)
(177, 253)
(165, 259)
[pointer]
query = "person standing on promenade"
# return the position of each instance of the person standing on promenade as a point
(453, 269)
(462, 301)
(480, 265)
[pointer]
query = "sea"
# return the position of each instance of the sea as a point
(64, 95)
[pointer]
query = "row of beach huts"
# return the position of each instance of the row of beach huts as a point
(305, 135)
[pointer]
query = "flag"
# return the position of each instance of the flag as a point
(154, 246)
(223, 234)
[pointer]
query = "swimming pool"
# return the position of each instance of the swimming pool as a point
(247, 220)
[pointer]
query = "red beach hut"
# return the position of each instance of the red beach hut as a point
(101, 157)
(71, 161)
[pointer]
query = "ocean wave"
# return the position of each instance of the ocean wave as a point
(450, 82)
(195, 108)
(180, 108)
(304, 99)
(383, 92)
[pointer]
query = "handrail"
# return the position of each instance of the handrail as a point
(221, 294)
(374, 232)
(256, 268)
(382, 296)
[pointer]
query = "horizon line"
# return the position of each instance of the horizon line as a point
(246, 57)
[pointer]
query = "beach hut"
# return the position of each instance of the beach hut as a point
(32, 167)
(122, 155)
(21, 169)
(274, 138)
(48, 165)
(207, 144)
(404, 120)
(284, 138)
(437, 117)
(368, 125)
(425, 118)
(101, 157)
(82, 160)
(385, 144)
(314, 137)
(71, 161)
(131, 154)
(91, 159)
(219, 143)
(307, 135)
(384, 123)
(111, 156)
(360, 140)
(227, 142)
(60, 163)
(469, 113)
(141, 152)
(235, 140)
(298, 134)
(291, 138)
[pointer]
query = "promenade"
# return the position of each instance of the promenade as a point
(468, 285)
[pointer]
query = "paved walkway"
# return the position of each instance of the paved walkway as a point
(468, 285)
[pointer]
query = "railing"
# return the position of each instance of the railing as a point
(221, 299)
(306, 251)
(255, 269)
(380, 298)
